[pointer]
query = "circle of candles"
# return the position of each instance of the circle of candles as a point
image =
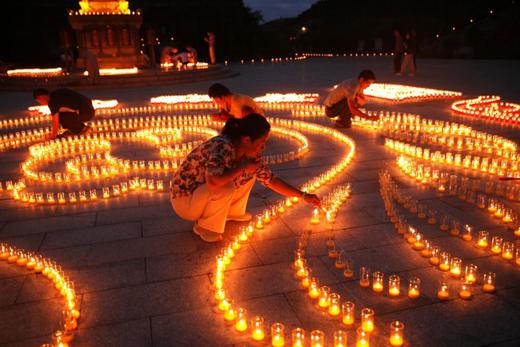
(396, 333)
(378, 282)
(465, 290)
(443, 291)
(277, 335)
(335, 305)
(298, 337)
(367, 319)
(470, 273)
(508, 250)
(489, 285)
(455, 267)
(241, 320)
(364, 277)
(257, 328)
(394, 285)
(317, 338)
(483, 239)
(362, 338)
(324, 298)
(414, 287)
(347, 313)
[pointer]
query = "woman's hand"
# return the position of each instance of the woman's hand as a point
(311, 199)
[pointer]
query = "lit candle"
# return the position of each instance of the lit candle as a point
(364, 277)
(377, 282)
(444, 261)
(257, 328)
(465, 290)
(324, 298)
(467, 233)
(340, 338)
(277, 335)
(394, 285)
(427, 251)
(470, 273)
(298, 337)
(347, 313)
(396, 333)
(314, 288)
(483, 237)
(496, 244)
(317, 338)
(455, 267)
(241, 320)
(334, 307)
(435, 257)
(315, 219)
(443, 292)
(348, 272)
(362, 338)
(507, 250)
(367, 319)
(339, 261)
(489, 282)
(414, 287)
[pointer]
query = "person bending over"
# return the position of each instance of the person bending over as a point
(69, 109)
(232, 105)
(345, 99)
(213, 183)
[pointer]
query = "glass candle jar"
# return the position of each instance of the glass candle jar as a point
(335, 304)
(347, 313)
(362, 338)
(396, 333)
(277, 335)
(364, 277)
(444, 261)
(435, 256)
(394, 285)
(324, 298)
(414, 287)
(378, 282)
(508, 250)
(298, 337)
(443, 292)
(483, 239)
(470, 273)
(455, 267)
(489, 285)
(367, 319)
(317, 338)
(496, 244)
(257, 328)
(340, 338)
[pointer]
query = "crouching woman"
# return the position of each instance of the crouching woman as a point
(213, 183)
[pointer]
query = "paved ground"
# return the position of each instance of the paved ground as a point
(144, 278)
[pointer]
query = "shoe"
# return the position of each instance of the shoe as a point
(246, 217)
(207, 235)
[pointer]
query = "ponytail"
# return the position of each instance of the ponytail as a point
(253, 126)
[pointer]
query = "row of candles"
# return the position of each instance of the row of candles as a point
(23, 121)
(442, 259)
(21, 138)
(238, 315)
(36, 72)
(489, 107)
(272, 60)
(96, 103)
(356, 54)
(63, 285)
(330, 302)
(500, 167)
(399, 92)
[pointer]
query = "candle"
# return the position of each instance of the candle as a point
(483, 237)
(257, 328)
(231, 313)
(224, 305)
(324, 298)
(339, 261)
(241, 320)
(315, 219)
(455, 267)
(396, 333)
(364, 277)
(347, 313)
(340, 338)
(465, 290)
(314, 288)
(333, 253)
(362, 338)
(348, 272)
(377, 282)
(466, 233)
(489, 282)
(317, 338)
(277, 335)
(470, 273)
(496, 244)
(418, 244)
(367, 319)
(334, 307)
(435, 257)
(414, 287)
(507, 250)
(444, 261)
(259, 222)
(443, 292)
(393, 285)
(298, 337)
(427, 251)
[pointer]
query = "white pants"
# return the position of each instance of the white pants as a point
(211, 207)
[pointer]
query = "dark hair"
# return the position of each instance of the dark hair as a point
(39, 92)
(217, 90)
(367, 75)
(253, 126)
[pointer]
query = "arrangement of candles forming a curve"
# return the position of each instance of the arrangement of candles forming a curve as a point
(63, 285)
(256, 326)
(89, 158)
(442, 260)
(489, 108)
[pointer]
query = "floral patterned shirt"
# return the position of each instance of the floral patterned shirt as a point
(213, 157)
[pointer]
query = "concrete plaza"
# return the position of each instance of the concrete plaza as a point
(144, 279)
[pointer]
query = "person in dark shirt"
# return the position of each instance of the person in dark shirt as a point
(69, 109)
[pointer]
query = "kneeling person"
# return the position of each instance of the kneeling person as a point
(213, 183)
(69, 109)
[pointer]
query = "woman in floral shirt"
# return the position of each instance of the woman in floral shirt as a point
(213, 183)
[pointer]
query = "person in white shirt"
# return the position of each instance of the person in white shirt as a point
(344, 100)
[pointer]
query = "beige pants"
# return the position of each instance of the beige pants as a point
(408, 61)
(210, 208)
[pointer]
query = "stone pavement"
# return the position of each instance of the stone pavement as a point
(145, 280)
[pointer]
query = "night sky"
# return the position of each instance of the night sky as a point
(274, 9)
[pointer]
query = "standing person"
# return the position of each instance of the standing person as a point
(232, 105)
(210, 39)
(213, 183)
(409, 52)
(398, 52)
(415, 47)
(92, 65)
(69, 109)
(346, 98)
(194, 55)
